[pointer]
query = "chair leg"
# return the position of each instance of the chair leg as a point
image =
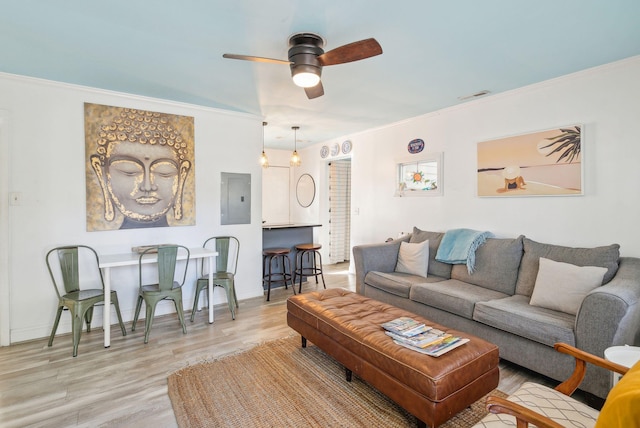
(148, 322)
(88, 316)
(269, 260)
(199, 289)
(114, 301)
(235, 296)
(284, 270)
(301, 269)
(287, 263)
(76, 329)
(195, 304)
(178, 302)
(231, 299)
(55, 325)
(137, 314)
(321, 274)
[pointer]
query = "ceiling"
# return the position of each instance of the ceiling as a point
(435, 51)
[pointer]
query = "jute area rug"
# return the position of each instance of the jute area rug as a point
(281, 384)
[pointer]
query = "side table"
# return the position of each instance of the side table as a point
(624, 355)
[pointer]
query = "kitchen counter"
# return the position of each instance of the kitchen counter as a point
(288, 225)
(287, 235)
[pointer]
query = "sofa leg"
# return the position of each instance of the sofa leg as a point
(304, 341)
(348, 374)
(420, 424)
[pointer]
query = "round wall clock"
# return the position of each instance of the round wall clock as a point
(335, 149)
(324, 152)
(346, 147)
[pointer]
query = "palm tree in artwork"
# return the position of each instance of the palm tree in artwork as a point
(567, 144)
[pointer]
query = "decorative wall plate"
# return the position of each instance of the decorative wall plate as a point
(346, 147)
(335, 149)
(324, 152)
(415, 146)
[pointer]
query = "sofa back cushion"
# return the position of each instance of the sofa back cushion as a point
(436, 268)
(497, 262)
(606, 256)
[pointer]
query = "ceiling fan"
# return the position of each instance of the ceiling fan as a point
(307, 57)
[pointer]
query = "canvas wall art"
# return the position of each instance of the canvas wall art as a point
(139, 168)
(543, 163)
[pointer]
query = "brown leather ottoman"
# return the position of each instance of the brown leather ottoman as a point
(346, 326)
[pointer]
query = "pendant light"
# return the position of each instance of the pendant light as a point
(263, 159)
(295, 158)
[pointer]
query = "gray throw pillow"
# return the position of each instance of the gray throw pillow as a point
(607, 256)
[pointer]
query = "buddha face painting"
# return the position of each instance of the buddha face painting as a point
(141, 164)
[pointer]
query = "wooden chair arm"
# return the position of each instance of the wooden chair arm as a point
(523, 416)
(569, 386)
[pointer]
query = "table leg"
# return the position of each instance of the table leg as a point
(210, 300)
(106, 313)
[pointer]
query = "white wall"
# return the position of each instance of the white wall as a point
(309, 165)
(605, 99)
(45, 125)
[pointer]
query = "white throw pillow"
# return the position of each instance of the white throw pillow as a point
(563, 286)
(413, 258)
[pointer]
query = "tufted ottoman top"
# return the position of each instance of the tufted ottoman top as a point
(354, 322)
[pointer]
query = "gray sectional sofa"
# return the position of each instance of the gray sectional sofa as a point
(493, 302)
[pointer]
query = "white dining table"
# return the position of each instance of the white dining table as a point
(109, 261)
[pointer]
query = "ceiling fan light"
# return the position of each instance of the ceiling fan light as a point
(306, 79)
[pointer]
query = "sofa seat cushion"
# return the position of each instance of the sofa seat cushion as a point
(515, 315)
(497, 262)
(396, 283)
(607, 257)
(452, 296)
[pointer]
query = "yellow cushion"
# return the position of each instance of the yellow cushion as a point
(622, 408)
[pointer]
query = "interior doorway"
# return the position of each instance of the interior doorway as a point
(5, 295)
(339, 211)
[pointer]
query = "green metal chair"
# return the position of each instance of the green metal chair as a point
(79, 302)
(228, 248)
(166, 288)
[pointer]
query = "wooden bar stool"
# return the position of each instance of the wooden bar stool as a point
(268, 276)
(314, 263)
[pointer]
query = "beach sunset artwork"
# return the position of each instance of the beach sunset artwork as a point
(543, 163)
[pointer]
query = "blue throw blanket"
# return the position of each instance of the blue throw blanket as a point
(458, 246)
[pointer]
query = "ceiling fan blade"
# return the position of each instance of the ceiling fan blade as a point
(256, 59)
(315, 91)
(352, 52)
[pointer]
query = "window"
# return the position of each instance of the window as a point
(419, 176)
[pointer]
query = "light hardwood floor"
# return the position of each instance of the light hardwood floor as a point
(125, 385)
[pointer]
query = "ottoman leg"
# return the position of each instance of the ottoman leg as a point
(304, 341)
(348, 374)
